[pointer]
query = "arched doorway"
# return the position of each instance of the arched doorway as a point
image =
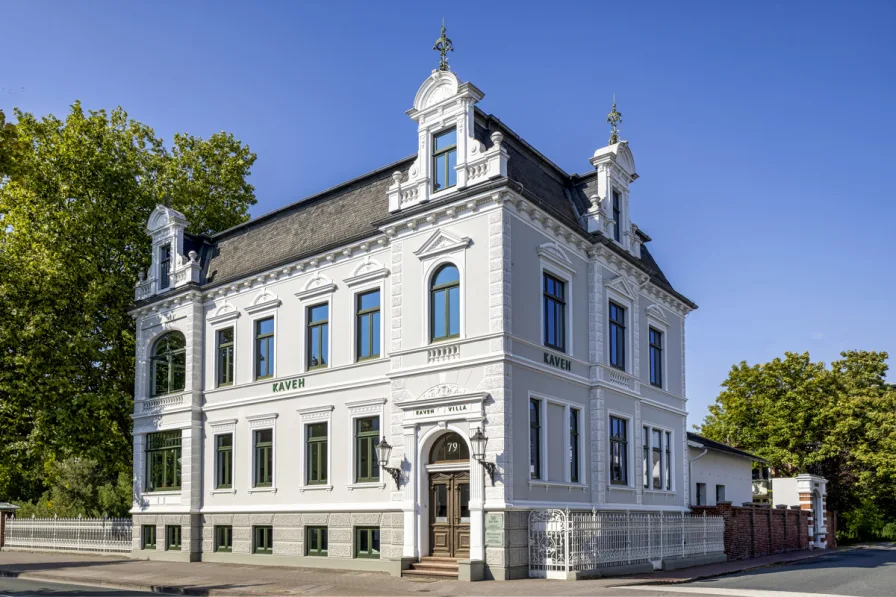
(449, 497)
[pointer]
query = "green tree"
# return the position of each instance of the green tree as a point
(838, 422)
(75, 195)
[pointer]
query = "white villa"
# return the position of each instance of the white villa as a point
(390, 374)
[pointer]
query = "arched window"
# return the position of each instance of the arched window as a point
(451, 447)
(444, 303)
(169, 364)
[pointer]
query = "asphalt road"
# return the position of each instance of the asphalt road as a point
(858, 573)
(15, 587)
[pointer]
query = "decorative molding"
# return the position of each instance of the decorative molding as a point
(623, 286)
(222, 425)
(551, 252)
(657, 313)
(442, 242)
(442, 391)
(264, 301)
(319, 285)
(315, 413)
(367, 271)
(363, 407)
(267, 420)
(226, 312)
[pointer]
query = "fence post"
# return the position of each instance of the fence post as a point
(566, 541)
(32, 530)
(628, 535)
(104, 533)
(704, 532)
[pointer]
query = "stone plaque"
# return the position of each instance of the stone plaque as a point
(494, 530)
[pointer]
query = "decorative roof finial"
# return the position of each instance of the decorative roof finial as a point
(614, 118)
(443, 45)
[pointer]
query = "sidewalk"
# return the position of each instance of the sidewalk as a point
(203, 578)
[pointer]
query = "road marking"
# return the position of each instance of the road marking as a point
(720, 592)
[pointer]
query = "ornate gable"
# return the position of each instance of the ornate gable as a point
(441, 242)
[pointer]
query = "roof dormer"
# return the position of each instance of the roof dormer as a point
(449, 157)
(170, 268)
(609, 210)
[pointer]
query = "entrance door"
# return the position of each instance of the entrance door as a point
(449, 498)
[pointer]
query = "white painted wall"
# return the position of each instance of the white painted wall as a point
(721, 468)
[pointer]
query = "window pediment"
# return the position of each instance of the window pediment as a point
(263, 301)
(656, 312)
(317, 286)
(225, 312)
(442, 242)
(553, 253)
(624, 287)
(368, 270)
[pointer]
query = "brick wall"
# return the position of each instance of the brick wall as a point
(753, 531)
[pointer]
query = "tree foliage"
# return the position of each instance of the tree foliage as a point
(838, 422)
(75, 195)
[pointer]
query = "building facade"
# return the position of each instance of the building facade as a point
(472, 287)
(719, 473)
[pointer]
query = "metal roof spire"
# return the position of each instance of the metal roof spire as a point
(614, 118)
(443, 45)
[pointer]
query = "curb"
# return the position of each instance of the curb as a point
(122, 585)
(678, 581)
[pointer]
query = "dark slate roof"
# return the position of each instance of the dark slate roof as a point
(352, 211)
(720, 447)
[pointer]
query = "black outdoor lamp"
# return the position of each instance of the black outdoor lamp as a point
(383, 451)
(479, 440)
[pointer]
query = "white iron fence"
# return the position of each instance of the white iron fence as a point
(561, 541)
(95, 535)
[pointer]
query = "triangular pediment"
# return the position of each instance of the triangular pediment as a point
(442, 242)
(624, 287)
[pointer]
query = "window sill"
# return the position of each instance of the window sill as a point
(560, 484)
(163, 492)
(262, 490)
(612, 487)
(222, 490)
(660, 491)
(366, 485)
(304, 488)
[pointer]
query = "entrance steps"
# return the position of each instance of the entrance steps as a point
(432, 568)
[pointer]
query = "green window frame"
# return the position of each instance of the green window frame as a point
(554, 299)
(163, 461)
(148, 534)
(367, 436)
(446, 292)
(263, 441)
(318, 336)
(224, 538)
(367, 542)
(534, 438)
(316, 541)
(574, 445)
(263, 540)
(169, 364)
(444, 159)
(367, 326)
(224, 461)
(164, 266)
(316, 453)
(225, 349)
(264, 348)
(172, 537)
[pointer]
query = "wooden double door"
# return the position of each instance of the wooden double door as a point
(449, 500)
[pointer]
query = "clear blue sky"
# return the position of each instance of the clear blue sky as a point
(764, 133)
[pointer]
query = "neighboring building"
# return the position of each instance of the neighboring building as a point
(473, 286)
(808, 492)
(719, 473)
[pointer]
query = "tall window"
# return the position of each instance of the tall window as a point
(316, 454)
(318, 335)
(164, 266)
(656, 357)
(657, 449)
(367, 435)
(224, 461)
(618, 451)
(264, 348)
(225, 356)
(444, 159)
(668, 460)
(368, 325)
(574, 445)
(617, 336)
(169, 364)
(554, 296)
(264, 458)
(163, 461)
(534, 438)
(445, 303)
(645, 453)
(617, 216)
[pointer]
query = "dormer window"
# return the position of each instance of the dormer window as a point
(617, 216)
(164, 266)
(444, 159)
